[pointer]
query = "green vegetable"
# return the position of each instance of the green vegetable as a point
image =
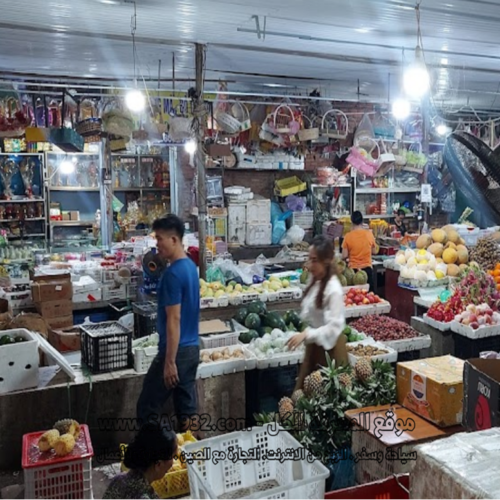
(247, 337)
(252, 321)
(347, 331)
(6, 339)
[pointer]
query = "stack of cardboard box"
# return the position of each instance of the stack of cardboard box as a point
(53, 296)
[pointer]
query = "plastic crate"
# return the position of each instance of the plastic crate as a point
(305, 219)
(144, 356)
(395, 487)
(111, 292)
(106, 347)
(48, 476)
(260, 478)
(219, 340)
(145, 316)
(288, 186)
(19, 362)
(466, 348)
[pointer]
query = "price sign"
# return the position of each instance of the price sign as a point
(426, 193)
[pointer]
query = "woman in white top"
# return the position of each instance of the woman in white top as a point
(323, 309)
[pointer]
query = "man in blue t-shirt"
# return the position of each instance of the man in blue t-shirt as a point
(173, 371)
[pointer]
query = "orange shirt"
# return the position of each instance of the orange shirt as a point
(359, 244)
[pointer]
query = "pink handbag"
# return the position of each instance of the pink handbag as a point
(361, 163)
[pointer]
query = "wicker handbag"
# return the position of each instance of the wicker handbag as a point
(308, 134)
(285, 120)
(335, 124)
(89, 124)
(117, 122)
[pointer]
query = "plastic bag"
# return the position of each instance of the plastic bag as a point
(279, 231)
(364, 133)
(293, 236)
(295, 203)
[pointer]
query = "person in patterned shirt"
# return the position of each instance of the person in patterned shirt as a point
(149, 457)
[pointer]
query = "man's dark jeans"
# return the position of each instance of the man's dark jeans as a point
(155, 393)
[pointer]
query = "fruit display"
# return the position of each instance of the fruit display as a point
(439, 254)
(495, 274)
(358, 297)
(384, 328)
(222, 354)
(478, 316)
(272, 343)
(348, 277)
(61, 438)
(486, 253)
(365, 351)
(352, 335)
(8, 339)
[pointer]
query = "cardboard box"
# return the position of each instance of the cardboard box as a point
(60, 323)
(386, 429)
(50, 288)
(66, 216)
(481, 394)
(433, 389)
(74, 215)
(54, 309)
(66, 339)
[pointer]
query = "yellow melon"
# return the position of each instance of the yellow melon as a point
(450, 256)
(496, 236)
(436, 249)
(448, 228)
(452, 235)
(439, 236)
(461, 241)
(453, 270)
(463, 255)
(424, 241)
(450, 244)
(439, 261)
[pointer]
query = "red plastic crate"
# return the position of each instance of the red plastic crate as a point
(48, 476)
(394, 487)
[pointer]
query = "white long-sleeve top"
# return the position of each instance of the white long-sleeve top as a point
(328, 323)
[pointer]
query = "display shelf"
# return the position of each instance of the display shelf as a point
(74, 188)
(35, 219)
(322, 186)
(386, 190)
(384, 216)
(71, 223)
(26, 200)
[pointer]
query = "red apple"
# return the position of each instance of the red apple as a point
(474, 326)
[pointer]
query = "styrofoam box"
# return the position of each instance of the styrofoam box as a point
(383, 307)
(481, 333)
(78, 298)
(19, 362)
(258, 212)
(246, 298)
(390, 357)
(266, 477)
(285, 295)
(281, 359)
(85, 284)
(407, 345)
(144, 356)
(259, 234)
(237, 218)
(19, 299)
(113, 293)
(212, 302)
(225, 367)
(438, 325)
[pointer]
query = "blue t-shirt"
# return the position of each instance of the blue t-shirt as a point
(180, 284)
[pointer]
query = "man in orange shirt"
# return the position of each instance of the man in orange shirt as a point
(359, 246)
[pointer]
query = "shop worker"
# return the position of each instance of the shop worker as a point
(149, 457)
(323, 309)
(399, 222)
(358, 247)
(173, 371)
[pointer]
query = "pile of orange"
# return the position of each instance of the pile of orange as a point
(496, 275)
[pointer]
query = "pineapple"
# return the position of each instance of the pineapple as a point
(68, 426)
(180, 440)
(64, 445)
(48, 439)
(313, 383)
(363, 369)
(285, 408)
(297, 395)
(346, 380)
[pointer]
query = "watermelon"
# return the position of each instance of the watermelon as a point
(257, 307)
(247, 337)
(292, 317)
(291, 327)
(274, 320)
(302, 326)
(241, 315)
(252, 321)
(263, 330)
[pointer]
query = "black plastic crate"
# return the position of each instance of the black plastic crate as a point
(106, 347)
(466, 348)
(145, 316)
(265, 388)
(409, 356)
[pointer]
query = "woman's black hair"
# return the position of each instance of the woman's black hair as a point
(326, 255)
(152, 443)
(357, 218)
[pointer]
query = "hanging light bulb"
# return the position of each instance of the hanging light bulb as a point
(67, 167)
(190, 146)
(442, 129)
(401, 109)
(135, 100)
(416, 77)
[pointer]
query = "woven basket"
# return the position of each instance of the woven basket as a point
(241, 113)
(117, 122)
(90, 124)
(227, 123)
(118, 144)
(342, 125)
(283, 120)
(308, 134)
(180, 128)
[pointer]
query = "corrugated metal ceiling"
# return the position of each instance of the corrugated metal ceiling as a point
(329, 44)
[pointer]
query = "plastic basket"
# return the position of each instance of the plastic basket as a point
(145, 316)
(219, 340)
(393, 487)
(144, 356)
(48, 476)
(106, 347)
(19, 362)
(288, 186)
(261, 478)
(305, 219)
(466, 348)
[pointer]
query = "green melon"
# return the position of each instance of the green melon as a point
(252, 321)
(343, 280)
(349, 276)
(361, 278)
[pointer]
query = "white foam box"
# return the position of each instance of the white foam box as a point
(258, 212)
(93, 296)
(466, 465)
(237, 219)
(259, 234)
(114, 293)
(19, 362)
